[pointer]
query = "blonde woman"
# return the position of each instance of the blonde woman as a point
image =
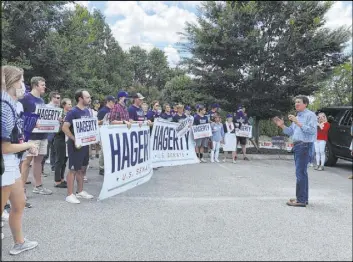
(322, 135)
(12, 148)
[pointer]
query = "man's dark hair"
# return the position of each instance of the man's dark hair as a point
(53, 93)
(35, 81)
(78, 94)
(305, 99)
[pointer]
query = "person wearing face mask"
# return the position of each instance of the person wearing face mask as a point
(12, 149)
(187, 111)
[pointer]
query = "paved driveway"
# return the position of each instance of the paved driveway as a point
(197, 212)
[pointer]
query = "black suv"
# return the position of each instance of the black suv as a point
(339, 136)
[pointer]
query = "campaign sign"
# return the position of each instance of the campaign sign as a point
(48, 119)
(278, 141)
(244, 131)
(127, 158)
(202, 131)
(167, 149)
(230, 142)
(86, 131)
(184, 126)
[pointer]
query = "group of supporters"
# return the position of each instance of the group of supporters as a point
(19, 156)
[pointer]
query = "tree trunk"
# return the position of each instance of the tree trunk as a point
(256, 131)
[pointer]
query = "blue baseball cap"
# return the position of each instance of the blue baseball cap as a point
(109, 98)
(122, 94)
(188, 108)
(229, 115)
(215, 105)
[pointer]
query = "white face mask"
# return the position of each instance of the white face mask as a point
(159, 111)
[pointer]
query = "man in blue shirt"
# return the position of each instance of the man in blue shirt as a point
(303, 131)
(109, 104)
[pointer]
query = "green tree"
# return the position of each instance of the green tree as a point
(261, 54)
(337, 90)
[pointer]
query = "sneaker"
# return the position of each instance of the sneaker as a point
(101, 172)
(61, 185)
(217, 160)
(321, 168)
(311, 165)
(84, 195)
(72, 199)
(203, 160)
(234, 161)
(316, 167)
(47, 161)
(5, 216)
(28, 205)
(26, 245)
(212, 160)
(246, 159)
(42, 191)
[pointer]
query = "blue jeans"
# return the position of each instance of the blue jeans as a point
(302, 158)
(312, 153)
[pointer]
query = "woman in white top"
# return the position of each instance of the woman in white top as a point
(229, 128)
(12, 149)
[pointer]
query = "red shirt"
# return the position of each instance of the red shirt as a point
(322, 134)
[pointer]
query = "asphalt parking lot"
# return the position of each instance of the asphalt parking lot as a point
(197, 212)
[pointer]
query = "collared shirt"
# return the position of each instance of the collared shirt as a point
(306, 133)
(119, 113)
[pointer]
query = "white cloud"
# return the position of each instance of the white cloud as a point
(172, 54)
(148, 23)
(339, 14)
(71, 6)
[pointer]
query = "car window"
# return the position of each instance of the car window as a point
(347, 118)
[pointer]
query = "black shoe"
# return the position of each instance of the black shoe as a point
(28, 205)
(101, 172)
(28, 182)
(64, 182)
(61, 185)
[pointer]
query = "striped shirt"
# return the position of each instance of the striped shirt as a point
(306, 133)
(8, 118)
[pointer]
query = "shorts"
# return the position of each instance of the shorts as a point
(12, 170)
(202, 142)
(42, 147)
(241, 140)
(78, 158)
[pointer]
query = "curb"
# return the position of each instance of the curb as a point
(259, 157)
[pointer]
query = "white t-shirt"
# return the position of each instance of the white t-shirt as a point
(19, 108)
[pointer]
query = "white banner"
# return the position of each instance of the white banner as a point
(185, 126)
(48, 121)
(244, 131)
(127, 158)
(202, 131)
(86, 131)
(168, 149)
(230, 142)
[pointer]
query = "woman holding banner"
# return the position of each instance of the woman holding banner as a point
(12, 149)
(201, 143)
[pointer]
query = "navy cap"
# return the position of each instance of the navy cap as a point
(229, 115)
(188, 108)
(109, 98)
(215, 105)
(122, 94)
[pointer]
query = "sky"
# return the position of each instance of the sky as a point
(156, 23)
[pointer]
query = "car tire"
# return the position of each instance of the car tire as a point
(331, 159)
